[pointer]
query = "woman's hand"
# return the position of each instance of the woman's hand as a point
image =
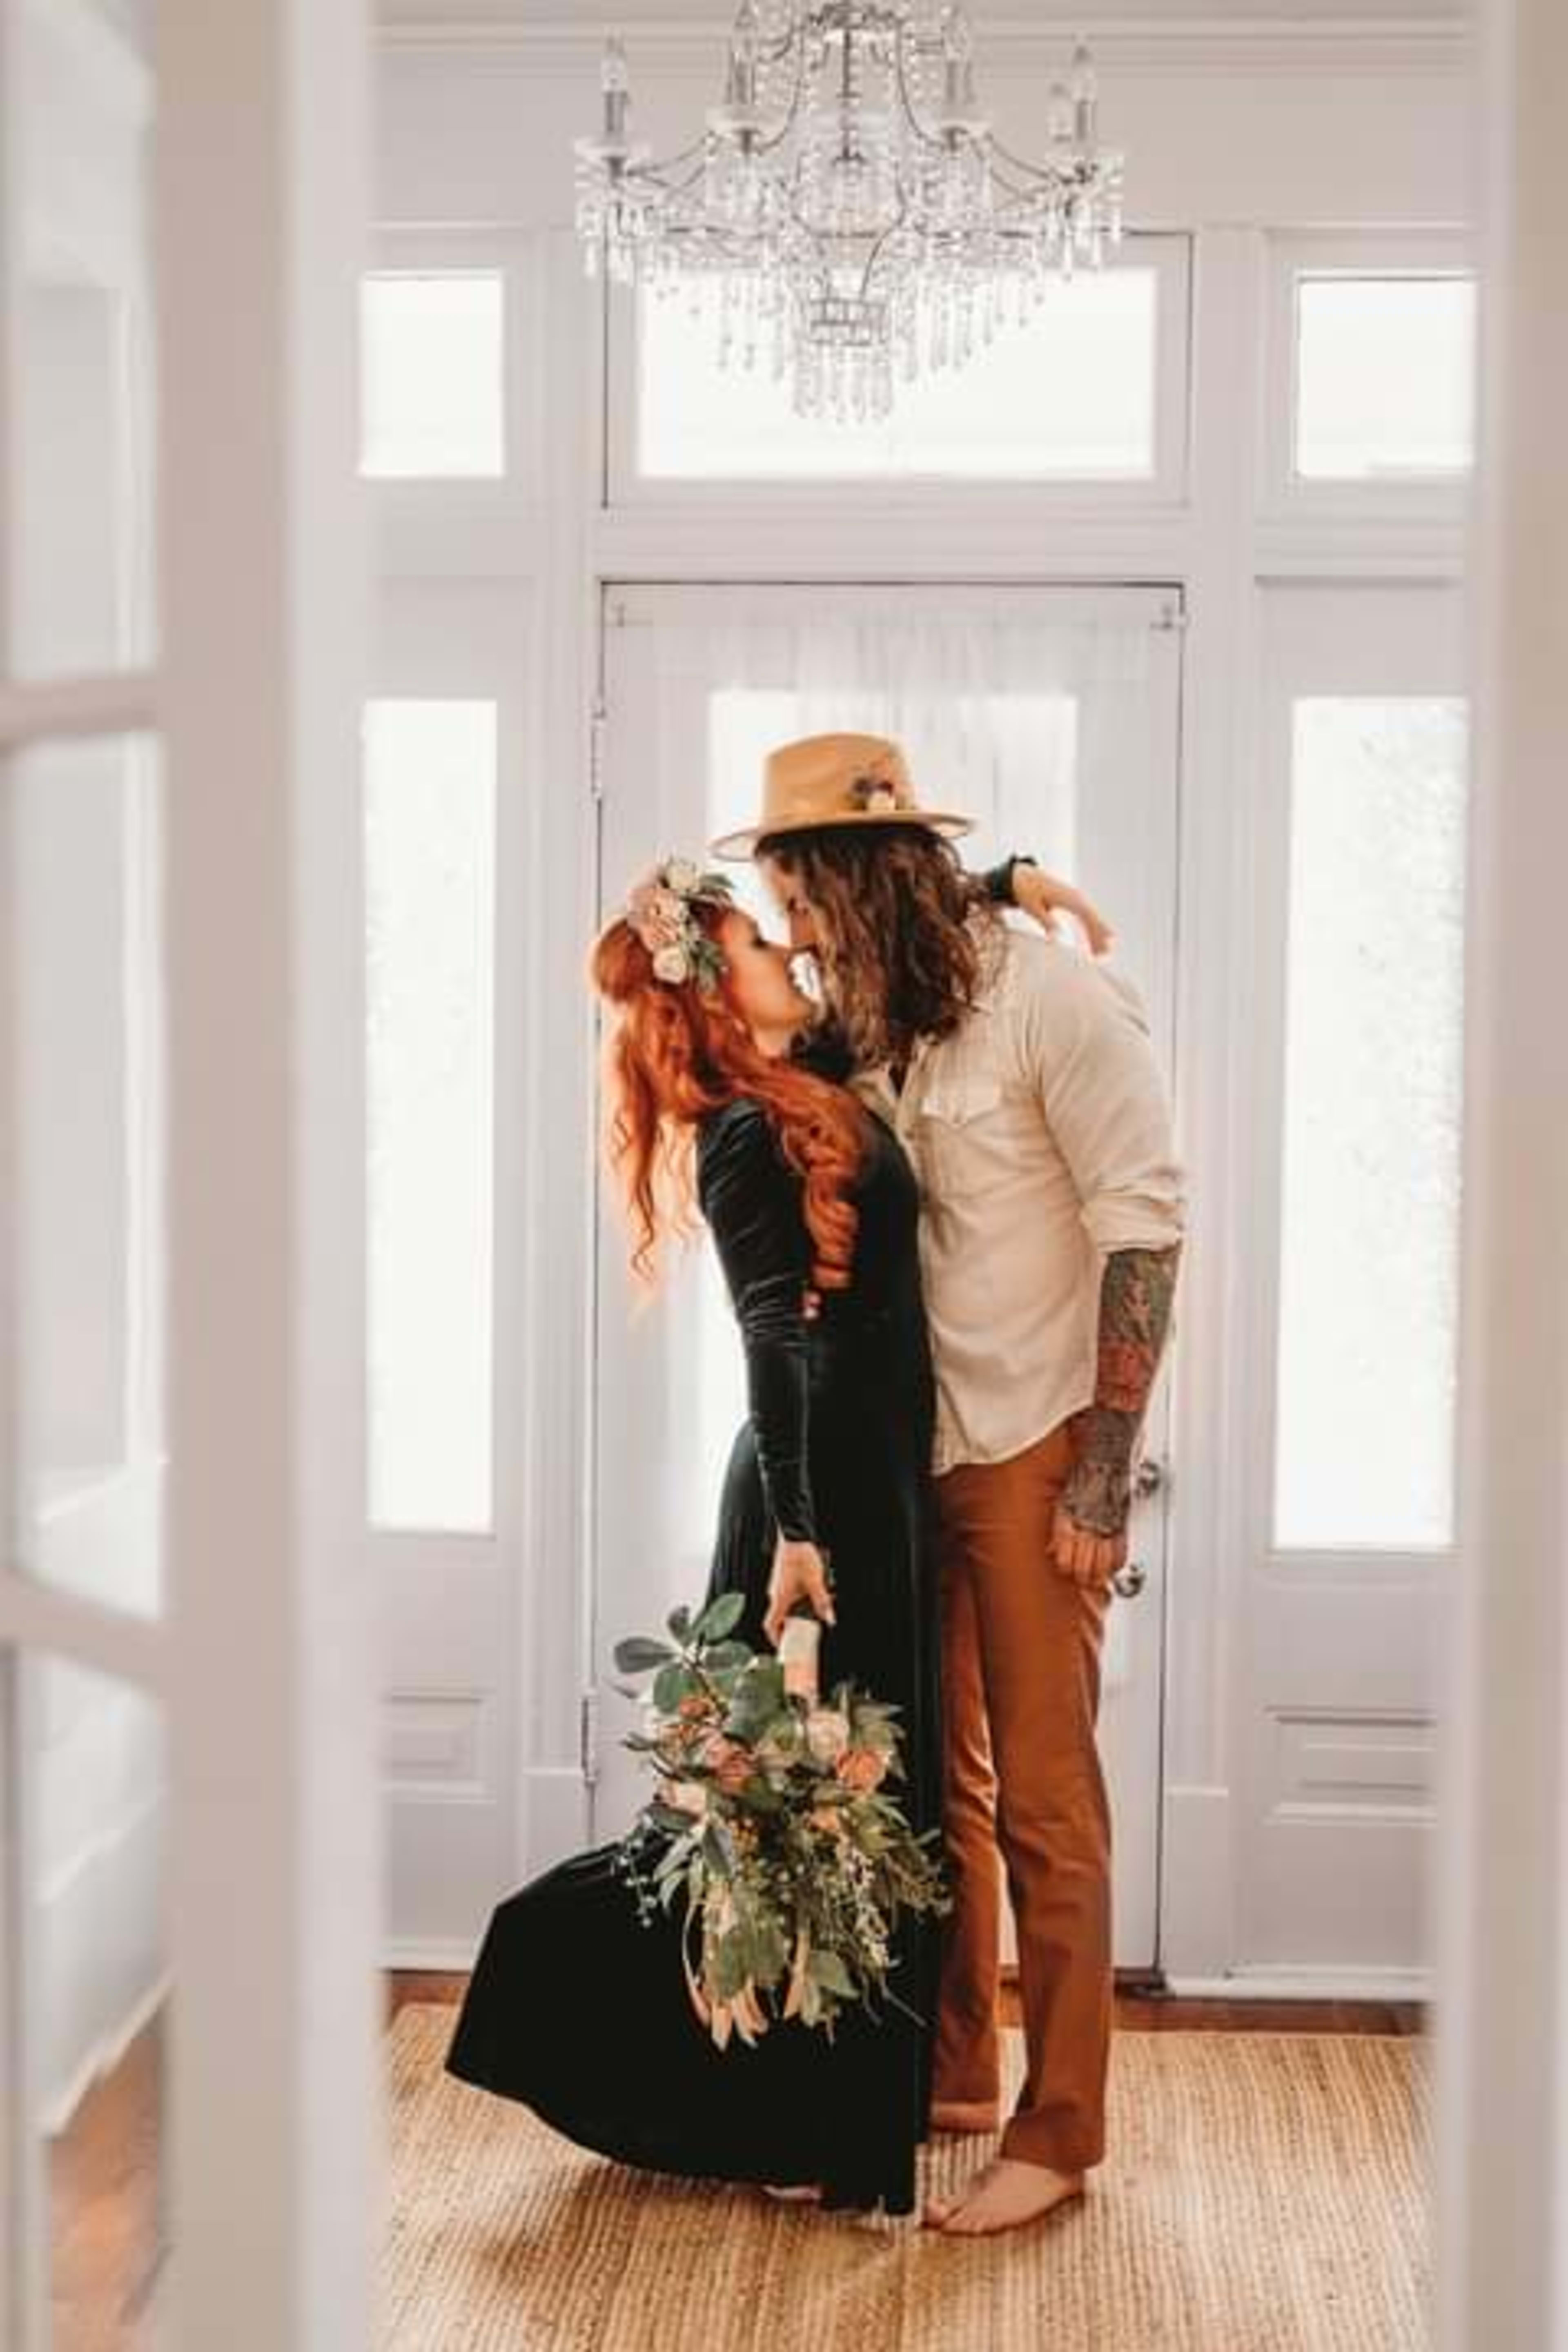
(1046, 898)
(800, 1574)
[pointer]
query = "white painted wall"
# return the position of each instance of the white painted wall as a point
(1238, 135)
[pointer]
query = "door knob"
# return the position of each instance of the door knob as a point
(1131, 1579)
(1149, 1477)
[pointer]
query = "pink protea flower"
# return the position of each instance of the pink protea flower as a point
(730, 1763)
(862, 1769)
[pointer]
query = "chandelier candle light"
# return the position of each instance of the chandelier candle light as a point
(850, 199)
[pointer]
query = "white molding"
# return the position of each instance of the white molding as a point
(1500, 2197)
(1306, 1984)
(660, 47)
(275, 2121)
(1024, 541)
(54, 708)
(447, 1954)
(34, 1616)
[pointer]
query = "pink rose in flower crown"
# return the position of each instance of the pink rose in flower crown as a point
(657, 915)
(666, 921)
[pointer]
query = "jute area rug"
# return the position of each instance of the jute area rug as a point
(1264, 2192)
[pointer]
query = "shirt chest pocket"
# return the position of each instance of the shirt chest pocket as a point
(960, 1129)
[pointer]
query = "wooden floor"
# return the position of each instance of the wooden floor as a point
(107, 2242)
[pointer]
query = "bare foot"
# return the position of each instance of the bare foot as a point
(1001, 2197)
(965, 2115)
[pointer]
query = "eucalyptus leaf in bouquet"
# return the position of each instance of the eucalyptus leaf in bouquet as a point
(773, 1820)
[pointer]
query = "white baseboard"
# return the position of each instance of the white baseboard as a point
(59, 2109)
(444, 1953)
(1306, 1984)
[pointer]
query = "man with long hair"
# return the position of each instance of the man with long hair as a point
(1020, 1077)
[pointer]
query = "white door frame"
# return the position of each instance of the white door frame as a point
(1501, 2223)
(264, 1660)
(627, 1383)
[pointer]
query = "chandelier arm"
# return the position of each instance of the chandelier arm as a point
(1019, 199)
(795, 41)
(671, 187)
(927, 138)
(1052, 173)
(875, 255)
(659, 165)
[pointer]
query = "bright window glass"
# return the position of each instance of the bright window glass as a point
(88, 1199)
(432, 374)
(1383, 376)
(1069, 392)
(430, 799)
(1370, 1222)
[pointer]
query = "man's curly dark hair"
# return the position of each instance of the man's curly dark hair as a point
(903, 931)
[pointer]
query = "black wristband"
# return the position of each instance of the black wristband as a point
(998, 879)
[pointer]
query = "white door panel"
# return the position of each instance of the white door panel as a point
(1050, 713)
(1356, 1032)
(446, 780)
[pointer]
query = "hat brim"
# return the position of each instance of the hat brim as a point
(740, 844)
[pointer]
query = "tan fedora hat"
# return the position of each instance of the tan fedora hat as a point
(836, 779)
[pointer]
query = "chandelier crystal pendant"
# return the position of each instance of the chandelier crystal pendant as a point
(849, 199)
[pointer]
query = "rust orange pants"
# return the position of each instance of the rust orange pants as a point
(1021, 1650)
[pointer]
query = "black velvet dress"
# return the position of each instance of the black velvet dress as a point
(578, 2008)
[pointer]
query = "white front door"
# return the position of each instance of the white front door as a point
(1051, 713)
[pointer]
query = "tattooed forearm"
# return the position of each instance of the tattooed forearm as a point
(1135, 1301)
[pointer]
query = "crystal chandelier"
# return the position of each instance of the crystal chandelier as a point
(849, 199)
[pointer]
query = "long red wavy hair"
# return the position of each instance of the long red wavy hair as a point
(673, 1055)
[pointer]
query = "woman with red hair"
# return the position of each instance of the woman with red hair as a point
(575, 2006)
(720, 1100)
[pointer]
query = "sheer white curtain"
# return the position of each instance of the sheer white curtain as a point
(1034, 710)
(1004, 700)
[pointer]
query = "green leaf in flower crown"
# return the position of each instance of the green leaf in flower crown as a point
(725, 1655)
(679, 1622)
(671, 1684)
(721, 1617)
(637, 1654)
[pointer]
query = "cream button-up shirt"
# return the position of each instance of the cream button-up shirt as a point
(1040, 1133)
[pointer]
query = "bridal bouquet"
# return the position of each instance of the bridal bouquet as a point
(773, 1817)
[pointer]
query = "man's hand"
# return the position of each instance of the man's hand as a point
(800, 1574)
(1088, 1534)
(1089, 1559)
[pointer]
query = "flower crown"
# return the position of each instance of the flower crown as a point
(659, 910)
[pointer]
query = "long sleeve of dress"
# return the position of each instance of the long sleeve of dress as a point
(751, 1198)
